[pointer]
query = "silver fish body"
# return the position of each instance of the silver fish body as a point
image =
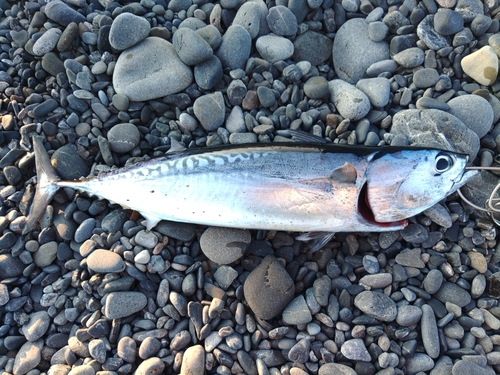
(291, 187)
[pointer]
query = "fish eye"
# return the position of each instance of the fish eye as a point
(443, 163)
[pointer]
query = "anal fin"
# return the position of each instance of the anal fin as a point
(318, 239)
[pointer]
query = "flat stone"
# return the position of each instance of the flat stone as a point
(313, 47)
(274, 48)
(36, 326)
(150, 366)
(433, 281)
(45, 254)
(210, 110)
(297, 311)
(336, 368)
(268, 288)
(235, 46)
(208, 73)
(419, 362)
(408, 315)
(478, 261)
(122, 304)
(190, 46)
(481, 66)
(68, 164)
(376, 305)
(10, 266)
(149, 70)
(353, 50)
(282, 21)
(351, 102)
(448, 22)
(451, 292)
(429, 330)
(104, 261)
(410, 57)
(47, 42)
(429, 36)
(224, 245)
(378, 90)
(462, 367)
(316, 87)
(28, 357)
(410, 258)
(474, 111)
(355, 350)
(421, 128)
(127, 30)
(63, 13)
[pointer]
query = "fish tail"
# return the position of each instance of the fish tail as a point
(46, 186)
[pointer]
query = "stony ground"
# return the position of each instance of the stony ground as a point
(111, 83)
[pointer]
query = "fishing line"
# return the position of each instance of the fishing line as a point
(492, 204)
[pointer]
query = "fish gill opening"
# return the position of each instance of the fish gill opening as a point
(366, 212)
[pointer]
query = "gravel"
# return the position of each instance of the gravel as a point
(109, 84)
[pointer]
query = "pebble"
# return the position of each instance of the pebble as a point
(68, 164)
(268, 288)
(376, 305)
(336, 368)
(209, 109)
(123, 137)
(355, 350)
(433, 281)
(225, 276)
(451, 292)
(127, 349)
(378, 90)
(234, 50)
(462, 367)
(149, 70)
(430, 334)
(122, 304)
(274, 48)
(429, 36)
(474, 111)
(224, 245)
(354, 52)
(410, 258)
(45, 254)
(190, 46)
(296, 312)
(316, 87)
(104, 261)
(448, 22)
(28, 357)
(351, 102)
(419, 362)
(282, 21)
(47, 42)
(149, 366)
(10, 266)
(424, 78)
(208, 73)
(127, 30)
(408, 315)
(37, 326)
(410, 57)
(377, 31)
(193, 361)
(313, 47)
(481, 66)
(62, 13)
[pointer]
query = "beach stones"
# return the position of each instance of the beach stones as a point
(150, 69)
(105, 261)
(224, 245)
(122, 304)
(351, 102)
(268, 288)
(353, 51)
(482, 66)
(127, 30)
(474, 111)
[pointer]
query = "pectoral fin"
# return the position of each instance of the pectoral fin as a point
(346, 174)
(318, 239)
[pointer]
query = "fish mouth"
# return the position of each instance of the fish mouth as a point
(365, 210)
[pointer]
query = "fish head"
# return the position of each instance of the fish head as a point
(403, 183)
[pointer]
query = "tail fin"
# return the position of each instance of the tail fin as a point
(46, 185)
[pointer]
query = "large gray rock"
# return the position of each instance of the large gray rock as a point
(435, 128)
(353, 50)
(350, 101)
(149, 70)
(474, 111)
(235, 46)
(313, 47)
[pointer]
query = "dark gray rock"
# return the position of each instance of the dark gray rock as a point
(210, 110)
(377, 305)
(448, 22)
(474, 111)
(63, 13)
(429, 36)
(208, 73)
(451, 292)
(122, 304)
(313, 47)
(123, 137)
(10, 266)
(68, 164)
(282, 21)
(235, 46)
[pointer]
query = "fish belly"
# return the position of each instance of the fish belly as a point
(255, 189)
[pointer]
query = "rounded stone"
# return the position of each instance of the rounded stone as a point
(224, 245)
(353, 50)
(355, 350)
(297, 311)
(408, 315)
(313, 47)
(122, 304)
(451, 292)
(474, 111)
(376, 305)
(210, 110)
(104, 261)
(316, 87)
(378, 90)
(430, 334)
(127, 349)
(149, 70)
(150, 366)
(45, 254)
(426, 77)
(63, 14)
(410, 57)
(481, 66)
(47, 42)
(208, 73)
(190, 46)
(448, 22)
(28, 357)
(268, 288)
(193, 361)
(37, 325)
(274, 48)
(10, 266)
(127, 30)
(433, 281)
(68, 164)
(235, 47)
(123, 137)
(351, 102)
(282, 21)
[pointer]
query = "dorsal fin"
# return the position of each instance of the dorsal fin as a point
(345, 174)
(302, 136)
(175, 147)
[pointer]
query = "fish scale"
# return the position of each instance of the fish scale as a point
(303, 187)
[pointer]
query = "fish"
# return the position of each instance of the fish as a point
(311, 187)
